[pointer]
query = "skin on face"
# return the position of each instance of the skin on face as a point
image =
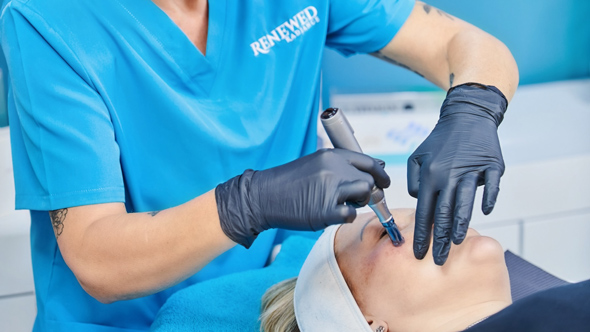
(390, 284)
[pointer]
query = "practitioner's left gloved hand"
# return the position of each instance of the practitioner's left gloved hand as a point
(461, 153)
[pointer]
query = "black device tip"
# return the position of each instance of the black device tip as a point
(329, 112)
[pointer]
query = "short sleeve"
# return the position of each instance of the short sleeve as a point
(365, 26)
(63, 143)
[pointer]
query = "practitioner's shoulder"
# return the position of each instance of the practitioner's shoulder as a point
(47, 7)
(74, 29)
(66, 22)
(56, 12)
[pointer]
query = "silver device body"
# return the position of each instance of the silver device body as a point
(341, 135)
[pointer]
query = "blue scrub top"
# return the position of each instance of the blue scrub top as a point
(110, 102)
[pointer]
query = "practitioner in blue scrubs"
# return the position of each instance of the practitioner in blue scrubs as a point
(151, 137)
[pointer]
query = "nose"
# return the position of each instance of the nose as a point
(473, 232)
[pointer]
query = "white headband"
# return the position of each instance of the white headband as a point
(323, 301)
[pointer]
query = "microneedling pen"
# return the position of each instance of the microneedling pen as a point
(341, 135)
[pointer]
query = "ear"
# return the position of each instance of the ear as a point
(376, 324)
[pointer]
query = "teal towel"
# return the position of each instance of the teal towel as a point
(232, 302)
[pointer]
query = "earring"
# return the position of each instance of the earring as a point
(380, 329)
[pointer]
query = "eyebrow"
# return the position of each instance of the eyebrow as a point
(363, 229)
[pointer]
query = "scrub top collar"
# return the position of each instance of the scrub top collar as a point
(175, 47)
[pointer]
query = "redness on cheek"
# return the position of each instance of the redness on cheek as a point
(383, 253)
(369, 268)
(384, 257)
(375, 273)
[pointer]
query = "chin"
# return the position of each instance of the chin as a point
(486, 261)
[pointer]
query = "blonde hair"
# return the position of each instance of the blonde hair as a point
(278, 311)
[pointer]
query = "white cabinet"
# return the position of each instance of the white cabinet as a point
(17, 314)
(560, 245)
(17, 298)
(6, 180)
(16, 274)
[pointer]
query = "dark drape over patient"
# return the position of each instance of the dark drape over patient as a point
(565, 308)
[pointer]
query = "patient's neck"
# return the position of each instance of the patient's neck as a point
(458, 319)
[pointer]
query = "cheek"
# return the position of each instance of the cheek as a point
(389, 291)
(364, 274)
(380, 256)
(386, 254)
(397, 279)
(387, 273)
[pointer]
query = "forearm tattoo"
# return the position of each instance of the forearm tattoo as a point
(57, 220)
(153, 213)
(384, 57)
(428, 8)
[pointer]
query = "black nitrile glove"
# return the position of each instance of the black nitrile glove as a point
(306, 194)
(461, 153)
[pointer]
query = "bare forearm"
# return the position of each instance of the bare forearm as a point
(121, 256)
(448, 51)
(475, 56)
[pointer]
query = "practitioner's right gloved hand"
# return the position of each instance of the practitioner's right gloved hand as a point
(306, 194)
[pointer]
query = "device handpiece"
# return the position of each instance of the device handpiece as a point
(341, 135)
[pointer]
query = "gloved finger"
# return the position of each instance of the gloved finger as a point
(380, 162)
(366, 164)
(356, 192)
(341, 214)
(413, 176)
(424, 219)
(491, 190)
(443, 225)
(464, 199)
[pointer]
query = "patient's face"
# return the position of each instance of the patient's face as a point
(389, 282)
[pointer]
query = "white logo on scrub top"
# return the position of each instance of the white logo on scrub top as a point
(289, 30)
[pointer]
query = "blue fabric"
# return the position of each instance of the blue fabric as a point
(232, 302)
(110, 102)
